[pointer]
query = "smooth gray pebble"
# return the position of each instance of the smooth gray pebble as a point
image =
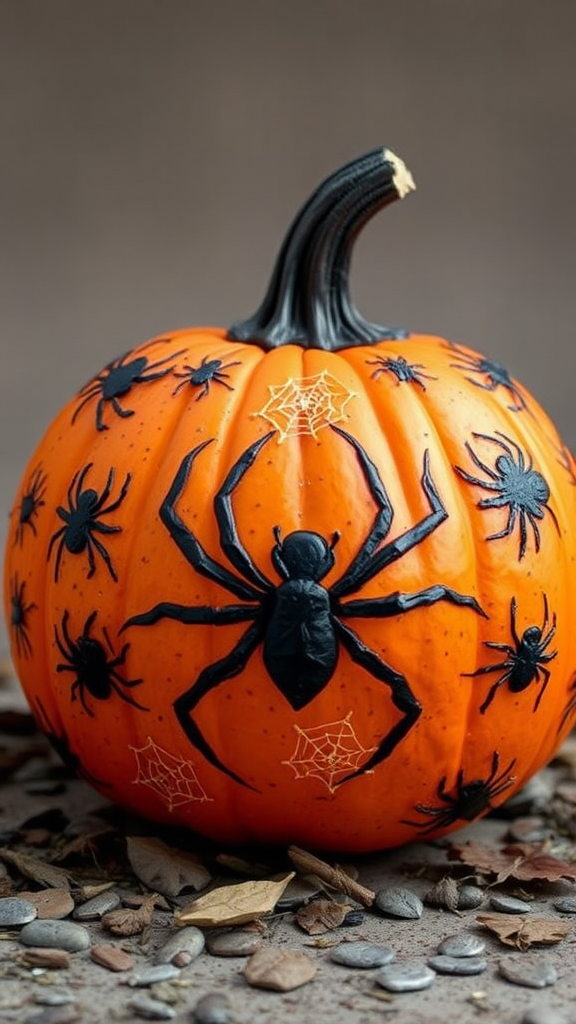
(361, 955)
(457, 964)
(565, 904)
(543, 1015)
(529, 970)
(462, 944)
(470, 897)
(95, 908)
(188, 940)
(399, 902)
(57, 935)
(15, 911)
(213, 1008)
(234, 943)
(509, 905)
(405, 977)
(151, 1009)
(153, 975)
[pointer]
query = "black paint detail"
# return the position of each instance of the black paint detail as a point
(82, 521)
(118, 378)
(210, 370)
(515, 484)
(61, 745)
(468, 800)
(19, 612)
(32, 500)
(567, 461)
(525, 661)
(405, 372)
(495, 376)
(96, 673)
(308, 299)
(570, 706)
(299, 621)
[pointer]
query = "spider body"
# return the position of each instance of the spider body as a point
(525, 661)
(299, 622)
(96, 673)
(117, 379)
(31, 501)
(19, 612)
(412, 373)
(495, 376)
(468, 801)
(203, 375)
(82, 520)
(514, 484)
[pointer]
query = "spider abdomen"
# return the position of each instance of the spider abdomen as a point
(300, 648)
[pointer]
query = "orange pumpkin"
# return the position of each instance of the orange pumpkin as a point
(306, 580)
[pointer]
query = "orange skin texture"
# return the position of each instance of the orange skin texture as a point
(299, 481)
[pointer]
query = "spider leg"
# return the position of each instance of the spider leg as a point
(53, 539)
(125, 696)
(489, 386)
(398, 603)
(509, 528)
(106, 492)
(82, 692)
(212, 676)
(513, 628)
(160, 362)
(191, 616)
(546, 673)
(221, 378)
(493, 691)
(102, 552)
(190, 547)
(230, 542)
(67, 638)
(89, 396)
(478, 461)
(124, 413)
(486, 669)
(351, 578)
(402, 697)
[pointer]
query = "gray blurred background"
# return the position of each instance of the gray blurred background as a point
(152, 153)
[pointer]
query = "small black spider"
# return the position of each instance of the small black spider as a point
(61, 744)
(19, 612)
(300, 624)
(402, 370)
(95, 672)
(525, 661)
(31, 501)
(496, 376)
(118, 378)
(81, 521)
(468, 801)
(517, 485)
(203, 375)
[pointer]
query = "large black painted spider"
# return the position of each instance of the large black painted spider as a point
(203, 375)
(525, 661)
(82, 521)
(19, 612)
(411, 373)
(516, 484)
(31, 501)
(299, 621)
(118, 378)
(95, 672)
(468, 801)
(495, 375)
(61, 745)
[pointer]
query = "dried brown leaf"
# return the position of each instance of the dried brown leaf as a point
(523, 862)
(163, 868)
(233, 904)
(130, 922)
(278, 970)
(444, 894)
(38, 870)
(320, 916)
(522, 932)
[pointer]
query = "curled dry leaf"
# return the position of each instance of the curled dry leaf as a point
(233, 904)
(163, 868)
(320, 916)
(524, 862)
(130, 922)
(523, 932)
(38, 870)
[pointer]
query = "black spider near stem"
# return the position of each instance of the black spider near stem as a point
(118, 378)
(298, 621)
(61, 745)
(495, 376)
(525, 661)
(411, 373)
(96, 673)
(515, 484)
(467, 801)
(210, 370)
(31, 501)
(19, 612)
(82, 520)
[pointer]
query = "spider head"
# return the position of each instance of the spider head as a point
(532, 636)
(303, 555)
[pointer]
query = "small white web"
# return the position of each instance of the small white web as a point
(306, 404)
(328, 752)
(172, 778)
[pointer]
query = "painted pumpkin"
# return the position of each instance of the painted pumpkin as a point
(307, 580)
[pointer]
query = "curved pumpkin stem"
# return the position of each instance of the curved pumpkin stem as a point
(308, 299)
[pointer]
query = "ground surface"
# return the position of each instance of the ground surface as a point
(49, 816)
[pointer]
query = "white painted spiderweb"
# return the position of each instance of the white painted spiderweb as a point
(172, 778)
(328, 752)
(306, 404)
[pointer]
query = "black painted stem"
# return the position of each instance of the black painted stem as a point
(308, 299)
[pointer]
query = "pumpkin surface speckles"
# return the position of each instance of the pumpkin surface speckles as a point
(306, 580)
